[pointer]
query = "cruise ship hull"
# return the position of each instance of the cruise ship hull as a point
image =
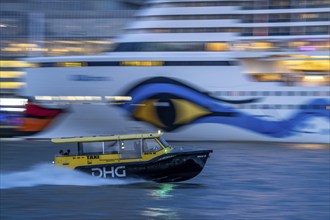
(80, 122)
(190, 103)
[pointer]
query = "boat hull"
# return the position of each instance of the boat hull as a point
(171, 167)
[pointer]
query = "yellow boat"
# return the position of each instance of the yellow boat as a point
(145, 156)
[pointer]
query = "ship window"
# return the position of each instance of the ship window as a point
(280, 4)
(261, 45)
(199, 63)
(276, 31)
(141, 63)
(216, 46)
(254, 93)
(191, 30)
(303, 93)
(203, 4)
(200, 17)
(173, 46)
(150, 145)
(160, 46)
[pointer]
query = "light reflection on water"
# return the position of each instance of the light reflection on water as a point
(164, 191)
(160, 213)
(309, 146)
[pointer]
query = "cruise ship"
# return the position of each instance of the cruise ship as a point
(200, 70)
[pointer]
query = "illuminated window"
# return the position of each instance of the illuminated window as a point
(268, 77)
(308, 65)
(15, 63)
(11, 85)
(118, 98)
(141, 63)
(308, 16)
(12, 101)
(11, 74)
(217, 46)
(70, 64)
(296, 44)
(261, 45)
(68, 98)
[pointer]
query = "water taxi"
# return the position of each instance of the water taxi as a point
(145, 156)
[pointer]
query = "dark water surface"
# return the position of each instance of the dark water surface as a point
(263, 181)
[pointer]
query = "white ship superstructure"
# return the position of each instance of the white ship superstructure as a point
(200, 70)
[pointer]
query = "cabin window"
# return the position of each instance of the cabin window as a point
(130, 149)
(111, 147)
(108, 147)
(93, 147)
(164, 142)
(151, 145)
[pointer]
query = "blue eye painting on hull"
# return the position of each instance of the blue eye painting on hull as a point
(169, 104)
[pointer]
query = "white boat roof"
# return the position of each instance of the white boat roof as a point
(105, 138)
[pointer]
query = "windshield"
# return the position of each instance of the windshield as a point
(164, 142)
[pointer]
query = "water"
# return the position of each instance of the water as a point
(240, 181)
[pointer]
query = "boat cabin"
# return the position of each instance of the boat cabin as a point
(114, 149)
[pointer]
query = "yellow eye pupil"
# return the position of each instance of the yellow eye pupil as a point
(187, 111)
(168, 114)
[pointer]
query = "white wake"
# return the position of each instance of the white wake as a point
(48, 174)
